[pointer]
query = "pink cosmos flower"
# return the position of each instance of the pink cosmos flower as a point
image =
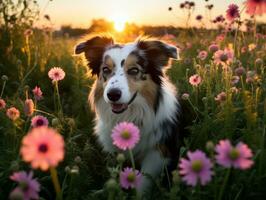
(125, 135)
(130, 178)
(39, 120)
(37, 92)
(213, 48)
(232, 12)
(223, 57)
(202, 55)
(56, 74)
(220, 97)
(2, 104)
(43, 147)
(28, 107)
(255, 7)
(195, 80)
(196, 168)
(28, 186)
(237, 157)
(13, 113)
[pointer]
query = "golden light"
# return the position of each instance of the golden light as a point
(119, 23)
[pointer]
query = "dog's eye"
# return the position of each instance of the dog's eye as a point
(133, 71)
(106, 71)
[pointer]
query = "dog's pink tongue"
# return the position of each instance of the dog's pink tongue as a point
(118, 107)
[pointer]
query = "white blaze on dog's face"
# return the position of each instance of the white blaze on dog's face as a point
(128, 70)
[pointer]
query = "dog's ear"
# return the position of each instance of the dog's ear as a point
(94, 49)
(157, 51)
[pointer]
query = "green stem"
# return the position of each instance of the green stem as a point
(59, 106)
(224, 184)
(132, 159)
(40, 111)
(56, 183)
(4, 85)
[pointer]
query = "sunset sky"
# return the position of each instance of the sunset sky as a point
(79, 13)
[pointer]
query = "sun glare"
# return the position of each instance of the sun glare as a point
(119, 23)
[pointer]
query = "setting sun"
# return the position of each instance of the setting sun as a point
(119, 23)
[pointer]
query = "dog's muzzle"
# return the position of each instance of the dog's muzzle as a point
(121, 107)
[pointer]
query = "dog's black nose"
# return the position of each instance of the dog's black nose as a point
(114, 94)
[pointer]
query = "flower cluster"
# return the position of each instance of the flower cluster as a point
(198, 167)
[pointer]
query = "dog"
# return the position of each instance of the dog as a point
(132, 86)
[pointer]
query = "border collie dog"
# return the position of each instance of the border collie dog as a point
(132, 86)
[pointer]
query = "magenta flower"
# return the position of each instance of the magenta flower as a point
(125, 135)
(2, 104)
(197, 168)
(28, 107)
(202, 55)
(195, 80)
(39, 120)
(27, 186)
(237, 157)
(240, 71)
(255, 7)
(213, 48)
(130, 178)
(232, 12)
(56, 74)
(37, 92)
(223, 57)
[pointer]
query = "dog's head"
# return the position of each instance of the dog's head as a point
(125, 71)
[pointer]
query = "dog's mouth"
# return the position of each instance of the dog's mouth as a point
(121, 107)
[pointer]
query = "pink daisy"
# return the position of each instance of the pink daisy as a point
(56, 74)
(28, 107)
(232, 12)
(255, 7)
(37, 92)
(238, 156)
(223, 56)
(195, 80)
(43, 147)
(13, 113)
(130, 178)
(125, 135)
(28, 186)
(39, 120)
(202, 55)
(2, 104)
(196, 168)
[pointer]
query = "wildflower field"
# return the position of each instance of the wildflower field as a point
(47, 146)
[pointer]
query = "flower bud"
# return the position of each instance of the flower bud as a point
(55, 122)
(120, 158)
(210, 146)
(176, 177)
(111, 184)
(77, 159)
(5, 78)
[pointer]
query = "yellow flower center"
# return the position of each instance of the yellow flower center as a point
(125, 135)
(131, 177)
(234, 154)
(196, 165)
